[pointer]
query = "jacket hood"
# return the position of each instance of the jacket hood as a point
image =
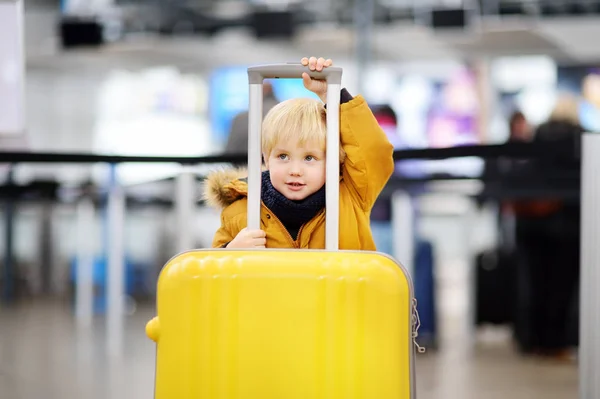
(223, 187)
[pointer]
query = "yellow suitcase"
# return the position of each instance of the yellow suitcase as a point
(275, 323)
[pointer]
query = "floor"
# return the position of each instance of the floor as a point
(44, 355)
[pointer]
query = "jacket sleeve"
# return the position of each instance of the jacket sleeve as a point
(224, 234)
(369, 159)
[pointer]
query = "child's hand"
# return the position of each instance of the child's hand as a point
(249, 239)
(317, 86)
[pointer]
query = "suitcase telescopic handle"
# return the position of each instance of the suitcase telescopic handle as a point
(333, 75)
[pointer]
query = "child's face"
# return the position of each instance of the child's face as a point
(297, 171)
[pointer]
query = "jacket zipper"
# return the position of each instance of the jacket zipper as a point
(289, 236)
(295, 243)
(302, 227)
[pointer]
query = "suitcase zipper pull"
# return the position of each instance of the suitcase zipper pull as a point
(416, 324)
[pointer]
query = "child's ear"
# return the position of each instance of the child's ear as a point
(265, 160)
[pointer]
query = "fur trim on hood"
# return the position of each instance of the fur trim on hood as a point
(223, 187)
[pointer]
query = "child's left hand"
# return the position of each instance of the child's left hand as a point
(317, 86)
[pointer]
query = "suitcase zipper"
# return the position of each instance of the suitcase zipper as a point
(416, 323)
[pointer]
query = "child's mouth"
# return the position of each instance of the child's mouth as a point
(295, 186)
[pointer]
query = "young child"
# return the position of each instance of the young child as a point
(293, 186)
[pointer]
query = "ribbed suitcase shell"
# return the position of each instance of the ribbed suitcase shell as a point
(274, 324)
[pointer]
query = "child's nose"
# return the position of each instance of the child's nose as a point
(295, 169)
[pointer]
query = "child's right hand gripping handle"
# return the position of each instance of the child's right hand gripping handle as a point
(333, 75)
(292, 70)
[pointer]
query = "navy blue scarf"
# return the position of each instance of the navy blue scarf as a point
(293, 214)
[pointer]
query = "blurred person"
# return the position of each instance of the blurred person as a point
(519, 131)
(589, 107)
(237, 141)
(496, 287)
(519, 128)
(293, 184)
(547, 233)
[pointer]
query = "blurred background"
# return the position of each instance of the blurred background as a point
(492, 243)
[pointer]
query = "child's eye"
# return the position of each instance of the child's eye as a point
(283, 157)
(309, 158)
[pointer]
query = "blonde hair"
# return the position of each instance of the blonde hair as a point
(302, 119)
(566, 109)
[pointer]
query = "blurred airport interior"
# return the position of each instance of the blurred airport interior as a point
(113, 112)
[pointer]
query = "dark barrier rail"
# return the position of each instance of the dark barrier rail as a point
(556, 181)
(511, 150)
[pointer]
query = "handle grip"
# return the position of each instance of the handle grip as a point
(333, 75)
(292, 70)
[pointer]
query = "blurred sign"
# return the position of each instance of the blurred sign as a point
(157, 111)
(12, 70)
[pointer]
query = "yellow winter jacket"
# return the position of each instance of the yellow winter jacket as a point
(365, 171)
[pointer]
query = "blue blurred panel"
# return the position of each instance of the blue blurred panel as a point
(589, 116)
(229, 96)
(285, 89)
